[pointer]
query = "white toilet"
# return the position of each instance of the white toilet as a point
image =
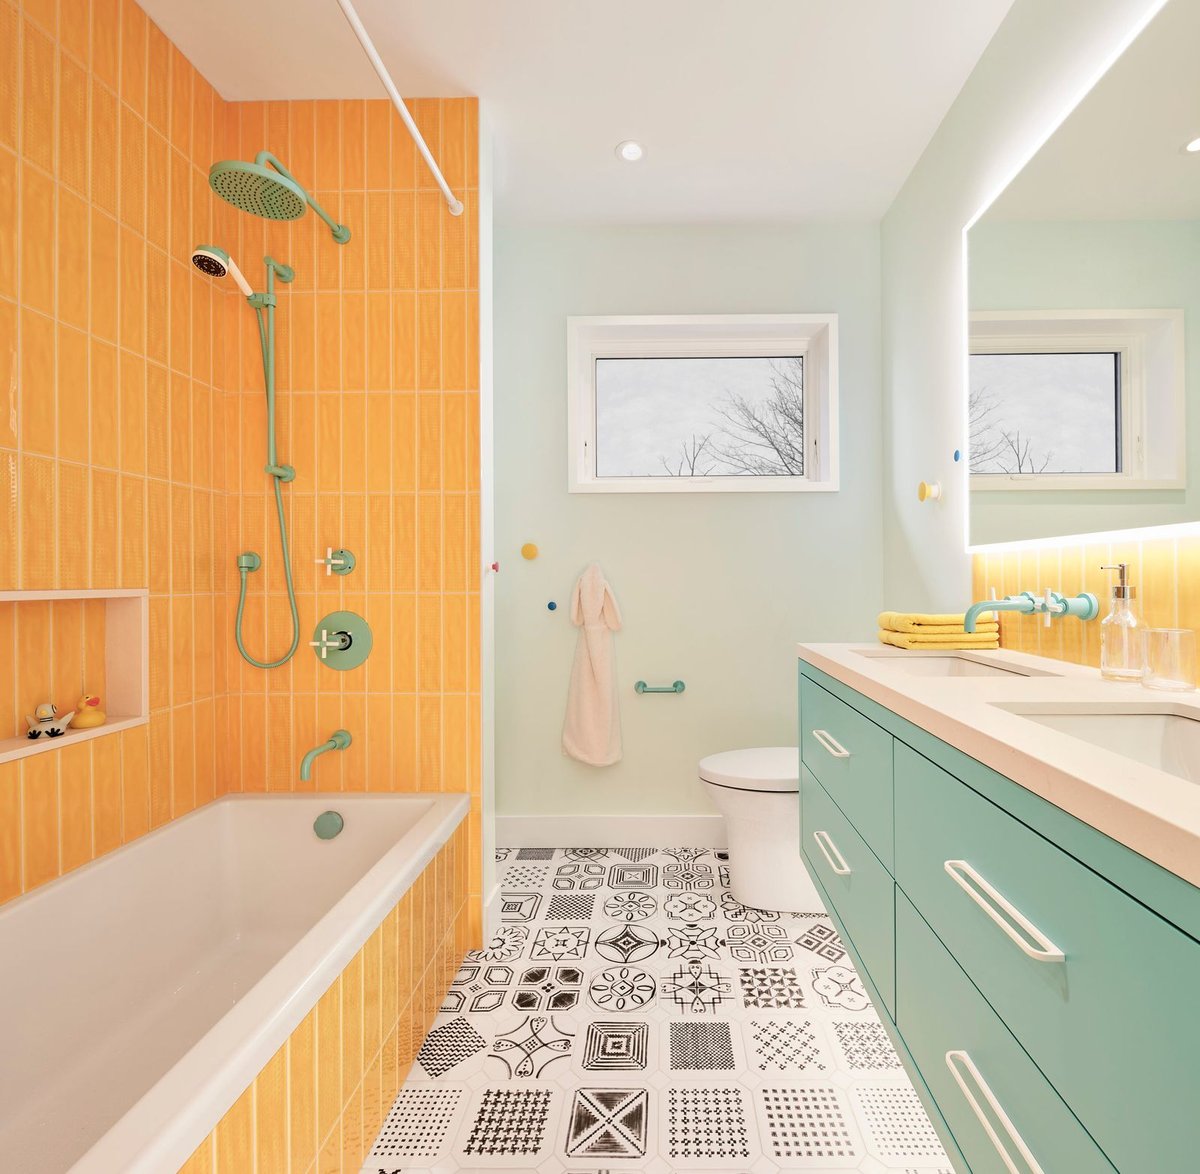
(758, 793)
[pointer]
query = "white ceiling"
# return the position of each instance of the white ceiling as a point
(750, 110)
(1118, 154)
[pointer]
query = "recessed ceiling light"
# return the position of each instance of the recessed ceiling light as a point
(631, 151)
(1193, 147)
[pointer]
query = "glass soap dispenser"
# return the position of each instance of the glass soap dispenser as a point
(1122, 632)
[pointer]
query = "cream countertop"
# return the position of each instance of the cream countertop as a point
(1154, 813)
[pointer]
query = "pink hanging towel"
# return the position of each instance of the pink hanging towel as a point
(592, 730)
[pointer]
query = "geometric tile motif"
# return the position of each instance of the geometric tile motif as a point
(687, 876)
(693, 943)
(636, 854)
(615, 1047)
(570, 907)
(840, 987)
(608, 1123)
(626, 943)
(706, 1123)
(633, 876)
(537, 1042)
(735, 911)
(759, 942)
(586, 853)
(702, 1046)
(697, 988)
(548, 988)
(519, 906)
(503, 946)
(477, 988)
(823, 941)
(686, 855)
(621, 988)
(536, 854)
(578, 876)
(563, 943)
(807, 1123)
(418, 1123)
(771, 986)
(509, 1122)
(525, 876)
(630, 906)
(786, 1045)
(866, 1046)
(897, 1129)
(448, 1045)
(690, 907)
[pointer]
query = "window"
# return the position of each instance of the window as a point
(1076, 400)
(1046, 412)
(702, 403)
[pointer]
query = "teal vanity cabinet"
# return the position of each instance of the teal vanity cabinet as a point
(1042, 981)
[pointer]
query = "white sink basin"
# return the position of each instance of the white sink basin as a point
(948, 664)
(1158, 738)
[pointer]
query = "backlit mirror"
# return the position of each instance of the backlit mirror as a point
(1084, 307)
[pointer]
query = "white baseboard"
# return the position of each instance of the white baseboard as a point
(610, 831)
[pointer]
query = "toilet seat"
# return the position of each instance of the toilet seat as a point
(766, 769)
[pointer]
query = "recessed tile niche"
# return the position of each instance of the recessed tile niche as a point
(69, 642)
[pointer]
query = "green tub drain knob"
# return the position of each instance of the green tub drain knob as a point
(328, 824)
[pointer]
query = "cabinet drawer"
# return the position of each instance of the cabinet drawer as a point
(945, 1021)
(852, 757)
(857, 885)
(1112, 1024)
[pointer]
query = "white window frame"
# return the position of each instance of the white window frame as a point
(1150, 346)
(705, 336)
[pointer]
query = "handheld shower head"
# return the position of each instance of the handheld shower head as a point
(218, 263)
(266, 188)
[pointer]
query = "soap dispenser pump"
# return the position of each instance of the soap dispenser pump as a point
(1122, 632)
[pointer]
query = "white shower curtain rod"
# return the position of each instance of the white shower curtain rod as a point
(364, 39)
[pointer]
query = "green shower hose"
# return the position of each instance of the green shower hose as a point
(266, 336)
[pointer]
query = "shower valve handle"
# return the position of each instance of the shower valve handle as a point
(336, 562)
(339, 642)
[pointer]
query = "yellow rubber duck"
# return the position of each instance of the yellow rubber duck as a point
(88, 713)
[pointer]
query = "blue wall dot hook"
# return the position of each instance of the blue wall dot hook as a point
(957, 455)
(552, 606)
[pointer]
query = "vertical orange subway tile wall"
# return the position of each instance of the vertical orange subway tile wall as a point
(1165, 571)
(132, 435)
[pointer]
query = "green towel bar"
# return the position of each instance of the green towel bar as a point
(642, 687)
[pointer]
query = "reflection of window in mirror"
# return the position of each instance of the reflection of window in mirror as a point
(1046, 412)
(1076, 400)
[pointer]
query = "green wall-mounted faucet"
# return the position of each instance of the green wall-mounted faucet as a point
(339, 740)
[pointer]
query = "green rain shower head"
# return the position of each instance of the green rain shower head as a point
(266, 188)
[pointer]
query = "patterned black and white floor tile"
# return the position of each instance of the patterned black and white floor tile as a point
(627, 1013)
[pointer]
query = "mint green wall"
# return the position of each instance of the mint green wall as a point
(715, 588)
(1040, 61)
(1089, 265)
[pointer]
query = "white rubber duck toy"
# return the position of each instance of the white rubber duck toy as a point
(45, 721)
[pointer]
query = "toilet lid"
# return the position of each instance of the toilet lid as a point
(764, 768)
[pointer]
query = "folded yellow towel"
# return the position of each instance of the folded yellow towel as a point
(934, 625)
(943, 642)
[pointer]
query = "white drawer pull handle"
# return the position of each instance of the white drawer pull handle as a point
(1042, 949)
(830, 743)
(829, 851)
(953, 1060)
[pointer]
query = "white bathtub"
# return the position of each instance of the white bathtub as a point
(141, 994)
